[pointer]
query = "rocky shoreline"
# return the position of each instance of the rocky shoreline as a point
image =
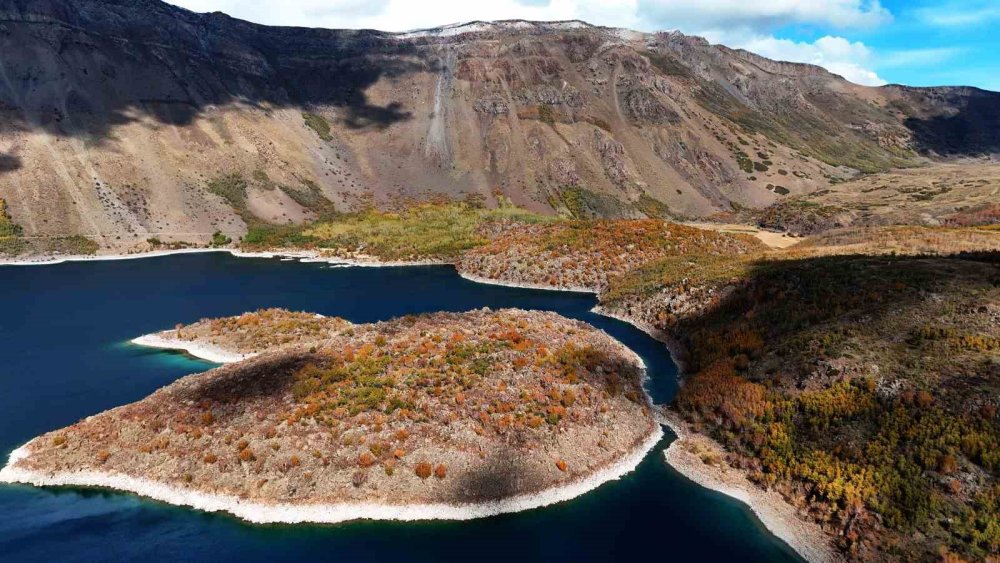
(200, 350)
(262, 513)
(702, 460)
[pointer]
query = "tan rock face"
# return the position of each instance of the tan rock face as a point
(115, 116)
(442, 408)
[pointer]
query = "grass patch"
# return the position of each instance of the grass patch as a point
(220, 239)
(546, 114)
(574, 201)
(74, 244)
(312, 198)
(318, 124)
(10, 232)
(678, 272)
(233, 189)
(431, 231)
(653, 208)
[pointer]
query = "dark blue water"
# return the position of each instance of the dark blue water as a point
(63, 356)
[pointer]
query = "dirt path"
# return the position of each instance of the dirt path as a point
(770, 238)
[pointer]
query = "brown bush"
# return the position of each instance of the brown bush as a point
(441, 471)
(947, 464)
(207, 418)
(561, 465)
(247, 454)
(954, 486)
(103, 456)
(423, 470)
(366, 459)
(210, 458)
(924, 399)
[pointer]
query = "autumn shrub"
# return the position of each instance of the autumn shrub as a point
(423, 470)
(366, 459)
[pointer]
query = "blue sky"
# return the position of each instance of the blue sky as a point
(925, 43)
(873, 42)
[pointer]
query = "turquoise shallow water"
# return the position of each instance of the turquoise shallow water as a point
(64, 355)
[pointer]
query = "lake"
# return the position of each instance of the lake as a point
(64, 332)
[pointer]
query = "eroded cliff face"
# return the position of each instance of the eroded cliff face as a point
(115, 118)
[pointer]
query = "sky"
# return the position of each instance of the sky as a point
(871, 42)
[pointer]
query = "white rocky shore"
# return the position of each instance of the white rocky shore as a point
(525, 285)
(302, 255)
(264, 513)
(203, 350)
(701, 459)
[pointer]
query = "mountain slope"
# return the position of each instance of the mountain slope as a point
(123, 120)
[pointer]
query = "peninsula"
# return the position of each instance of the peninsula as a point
(434, 416)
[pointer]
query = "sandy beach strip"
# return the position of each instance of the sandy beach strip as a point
(205, 351)
(524, 285)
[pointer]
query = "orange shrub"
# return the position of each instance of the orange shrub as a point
(441, 471)
(423, 470)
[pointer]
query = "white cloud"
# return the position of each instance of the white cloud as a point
(852, 60)
(918, 57)
(761, 14)
(955, 14)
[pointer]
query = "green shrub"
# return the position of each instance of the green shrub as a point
(318, 124)
(219, 239)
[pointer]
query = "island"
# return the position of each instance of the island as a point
(444, 415)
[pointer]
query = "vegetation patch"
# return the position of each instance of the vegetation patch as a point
(421, 232)
(885, 438)
(232, 188)
(587, 254)
(311, 197)
(653, 208)
(220, 239)
(318, 124)
(11, 242)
